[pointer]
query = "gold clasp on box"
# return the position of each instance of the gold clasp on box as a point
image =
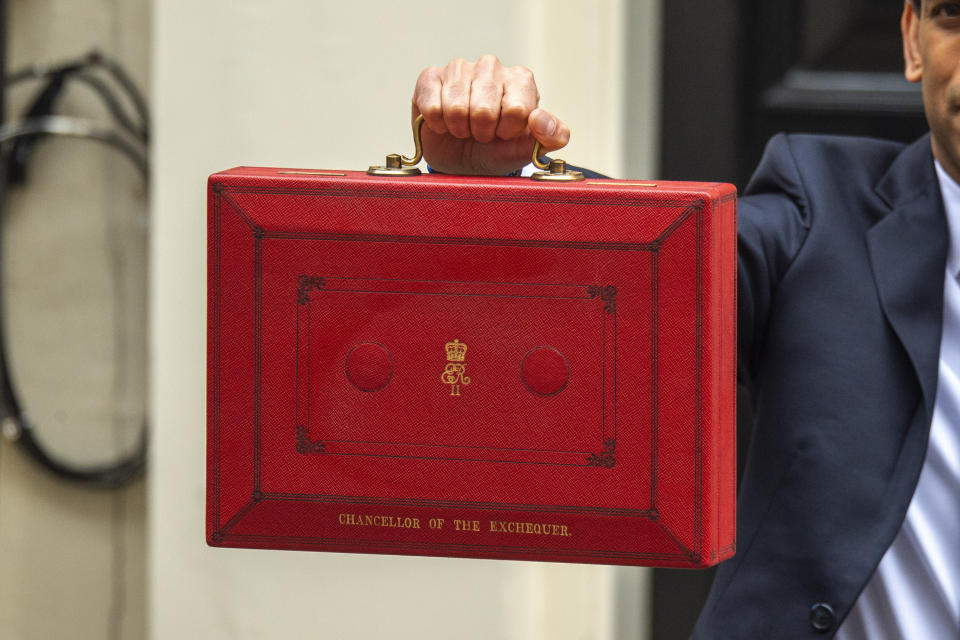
(398, 165)
(553, 171)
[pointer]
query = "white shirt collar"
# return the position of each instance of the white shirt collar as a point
(950, 191)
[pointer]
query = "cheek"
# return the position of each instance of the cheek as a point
(940, 55)
(941, 78)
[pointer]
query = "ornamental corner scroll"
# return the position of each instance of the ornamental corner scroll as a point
(607, 294)
(306, 444)
(454, 373)
(306, 284)
(606, 458)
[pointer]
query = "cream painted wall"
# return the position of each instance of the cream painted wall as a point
(72, 559)
(327, 85)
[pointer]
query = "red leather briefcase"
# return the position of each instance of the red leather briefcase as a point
(473, 367)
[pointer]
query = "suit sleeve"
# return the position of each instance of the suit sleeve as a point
(773, 221)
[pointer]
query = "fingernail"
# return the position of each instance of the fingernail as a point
(544, 124)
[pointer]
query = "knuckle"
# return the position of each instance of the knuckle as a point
(427, 88)
(523, 74)
(488, 59)
(514, 111)
(456, 111)
(457, 64)
(483, 113)
(429, 74)
(432, 111)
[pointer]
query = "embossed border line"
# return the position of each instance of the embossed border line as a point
(311, 440)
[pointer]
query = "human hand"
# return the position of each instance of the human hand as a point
(482, 117)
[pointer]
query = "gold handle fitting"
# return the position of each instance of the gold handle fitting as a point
(553, 171)
(398, 165)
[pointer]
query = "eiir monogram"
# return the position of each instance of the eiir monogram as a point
(454, 373)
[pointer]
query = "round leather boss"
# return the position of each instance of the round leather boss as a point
(545, 371)
(369, 366)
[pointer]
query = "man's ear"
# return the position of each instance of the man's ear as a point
(910, 30)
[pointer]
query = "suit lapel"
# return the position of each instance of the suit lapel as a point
(908, 254)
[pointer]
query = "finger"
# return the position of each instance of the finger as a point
(548, 129)
(520, 97)
(455, 96)
(427, 100)
(486, 91)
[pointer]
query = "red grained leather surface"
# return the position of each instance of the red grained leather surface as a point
(473, 367)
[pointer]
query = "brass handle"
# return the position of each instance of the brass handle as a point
(553, 171)
(398, 165)
(417, 144)
(543, 166)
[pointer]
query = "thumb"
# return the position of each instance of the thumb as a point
(549, 130)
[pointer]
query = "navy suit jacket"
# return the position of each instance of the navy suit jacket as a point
(842, 252)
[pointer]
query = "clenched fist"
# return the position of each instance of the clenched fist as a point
(482, 117)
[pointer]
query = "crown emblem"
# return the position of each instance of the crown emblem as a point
(455, 373)
(456, 351)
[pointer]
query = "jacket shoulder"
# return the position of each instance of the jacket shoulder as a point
(812, 162)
